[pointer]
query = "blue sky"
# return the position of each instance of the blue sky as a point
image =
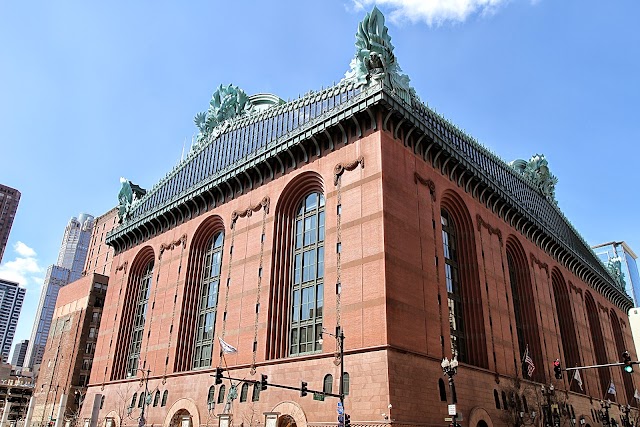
(92, 91)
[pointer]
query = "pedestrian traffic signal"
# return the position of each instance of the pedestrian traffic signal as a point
(347, 420)
(303, 389)
(263, 382)
(557, 369)
(218, 376)
(628, 364)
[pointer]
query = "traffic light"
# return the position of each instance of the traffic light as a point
(628, 364)
(263, 382)
(557, 369)
(218, 376)
(303, 389)
(347, 420)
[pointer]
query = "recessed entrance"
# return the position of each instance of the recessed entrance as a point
(286, 421)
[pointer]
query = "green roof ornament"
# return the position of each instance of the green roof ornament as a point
(537, 171)
(129, 195)
(374, 59)
(614, 265)
(226, 103)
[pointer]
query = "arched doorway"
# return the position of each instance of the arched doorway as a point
(286, 421)
(181, 418)
(482, 423)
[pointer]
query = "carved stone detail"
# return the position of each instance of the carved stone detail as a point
(417, 178)
(264, 204)
(540, 264)
(576, 289)
(122, 266)
(339, 169)
(170, 246)
(603, 308)
(490, 229)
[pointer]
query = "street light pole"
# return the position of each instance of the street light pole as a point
(450, 368)
(605, 411)
(340, 336)
(142, 421)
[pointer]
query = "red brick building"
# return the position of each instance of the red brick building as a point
(355, 206)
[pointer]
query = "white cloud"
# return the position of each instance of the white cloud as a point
(24, 269)
(24, 250)
(433, 11)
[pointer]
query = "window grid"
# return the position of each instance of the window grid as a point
(307, 290)
(139, 319)
(208, 302)
(452, 278)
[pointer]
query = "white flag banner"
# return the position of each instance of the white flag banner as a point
(636, 395)
(578, 379)
(612, 389)
(226, 347)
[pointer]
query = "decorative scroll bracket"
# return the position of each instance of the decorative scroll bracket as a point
(417, 178)
(264, 204)
(170, 246)
(490, 229)
(339, 169)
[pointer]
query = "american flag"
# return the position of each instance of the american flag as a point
(529, 362)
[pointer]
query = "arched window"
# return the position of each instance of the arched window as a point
(140, 314)
(165, 396)
(524, 403)
(244, 392)
(524, 308)
(346, 383)
(141, 400)
(621, 347)
(156, 398)
(443, 390)
(454, 292)
(102, 402)
(211, 396)
(208, 304)
(598, 343)
(307, 292)
(256, 393)
(496, 398)
(505, 404)
(221, 392)
(327, 384)
(566, 323)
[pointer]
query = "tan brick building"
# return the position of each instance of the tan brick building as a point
(354, 206)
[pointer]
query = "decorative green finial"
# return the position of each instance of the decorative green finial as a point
(374, 58)
(129, 195)
(537, 170)
(226, 103)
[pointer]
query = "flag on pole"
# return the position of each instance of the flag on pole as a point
(578, 378)
(226, 347)
(636, 395)
(612, 388)
(529, 362)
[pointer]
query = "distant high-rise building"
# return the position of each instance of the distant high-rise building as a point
(56, 278)
(19, 352)
(11, 298)
(621, 262)
(71, 259)
(9, 199)
(75, 245)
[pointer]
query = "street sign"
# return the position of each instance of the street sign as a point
(452, 409)
(341, 419)
(340, 408)
(449, 419)
(318, 396)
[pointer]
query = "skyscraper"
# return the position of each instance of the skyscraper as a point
(71, 259)
(75, 244)
(19, 351)
(9, 199)
(11, 298)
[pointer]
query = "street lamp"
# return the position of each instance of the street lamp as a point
(550, 415)
(605, 411)
(450, 369)
(339, 336)
(147, 398)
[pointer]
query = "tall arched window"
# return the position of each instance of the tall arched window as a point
(208, 302)
(346, 383)
(144, 287)
(598, 343)
(256, 393)
(621, 348)
(442, 390)
(244, 391)
(327, 384)
(211, 397)
(523, 308)
(134, 400)
(454, 294)
(156, 399)
(165, 396)
(221, 392)
(566, 323)
(307, 291)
